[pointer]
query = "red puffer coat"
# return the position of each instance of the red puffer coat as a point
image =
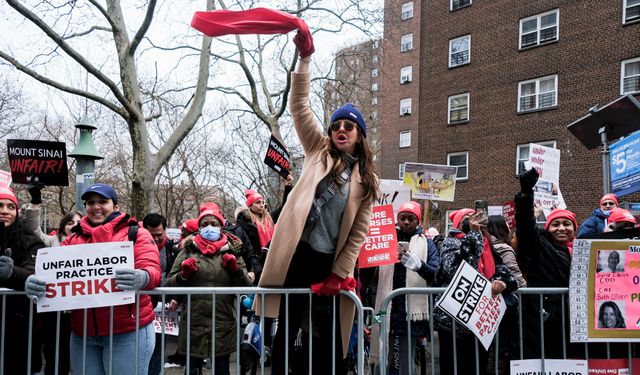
(145, 253)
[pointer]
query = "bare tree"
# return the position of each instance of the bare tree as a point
(121, 92)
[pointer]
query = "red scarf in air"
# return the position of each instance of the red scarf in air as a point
(252, 21)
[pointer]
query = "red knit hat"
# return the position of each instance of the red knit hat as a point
(561, 214)
(456, 216)
(209, 206)
(191, 225)
(210, 212)
(7, 193)
(411, 207)
(619, 215)
(252, 196)
(609, 197)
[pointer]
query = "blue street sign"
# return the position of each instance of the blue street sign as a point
(625, 165)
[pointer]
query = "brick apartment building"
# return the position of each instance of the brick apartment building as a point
(357, 80)
(489, 77)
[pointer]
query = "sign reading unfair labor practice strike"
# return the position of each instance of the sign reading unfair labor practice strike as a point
(604, 291)
(468, 299)
(381, 245)
(83, 276)
(45, 160)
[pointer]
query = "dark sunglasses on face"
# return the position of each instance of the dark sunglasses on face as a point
(348, 126)
(608, 204)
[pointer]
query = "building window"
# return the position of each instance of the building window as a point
(458, 109)
(405, 138)
(374, 100)
(401, 171)
(522, 154)
(374, 59)
(631, 11)
(539, 29)
(405, 107)
(407, 10)
(457, 4)
(459, 51)
(374, 73)
(374, 115)
(630, 75)
(374, 86)
(406, 43)
(460, 160)
(538, 93)
(375, 44)
(449, 223)
(406, 74)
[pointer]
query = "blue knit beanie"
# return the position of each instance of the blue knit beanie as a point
(350, 112)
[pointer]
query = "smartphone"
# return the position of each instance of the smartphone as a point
(483, 207)
(403, 247)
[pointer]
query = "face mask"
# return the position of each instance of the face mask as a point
(210, 233)
(606, 213)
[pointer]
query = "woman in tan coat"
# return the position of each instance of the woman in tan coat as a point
(321, 228)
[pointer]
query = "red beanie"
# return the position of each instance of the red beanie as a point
(7, 193)
(252, 196)
(456, 216)
(210, 212)
(411, 207)
(191, 225)
(561, 214)
(609, 197)
(619, 215)
(209, 206)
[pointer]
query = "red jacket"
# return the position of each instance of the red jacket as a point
(145, 254)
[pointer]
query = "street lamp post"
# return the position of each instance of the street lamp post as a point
(86, 155)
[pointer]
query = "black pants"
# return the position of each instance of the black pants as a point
(465, 354)
(308, 267)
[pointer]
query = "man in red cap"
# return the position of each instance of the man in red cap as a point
(597, 222)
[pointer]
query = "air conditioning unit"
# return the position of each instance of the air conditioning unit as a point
(405, 79)
(406, 112)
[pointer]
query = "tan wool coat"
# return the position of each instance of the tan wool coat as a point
(355, 220)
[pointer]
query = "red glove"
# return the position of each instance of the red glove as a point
(333, 284)
(304, 41)
(229, 262)
(188, 266)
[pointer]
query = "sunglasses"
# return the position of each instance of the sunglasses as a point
(348, 126)
(608, 203)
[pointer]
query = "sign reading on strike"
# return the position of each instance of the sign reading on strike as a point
(381, 245)
(277, 157)
(468, 299)
(83, 276)
(45, 160)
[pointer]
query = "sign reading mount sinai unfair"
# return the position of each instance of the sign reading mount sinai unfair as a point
(45, 160)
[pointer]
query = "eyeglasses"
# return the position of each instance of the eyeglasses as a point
(608, 203)
(348, 126)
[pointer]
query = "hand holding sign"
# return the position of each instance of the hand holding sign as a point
(34, 287)
(528, 180)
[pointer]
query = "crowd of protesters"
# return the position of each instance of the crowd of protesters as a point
(311, 241)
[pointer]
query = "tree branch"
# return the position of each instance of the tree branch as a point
(143, 28)
(15, 4)
(60, 86)
(83, 33)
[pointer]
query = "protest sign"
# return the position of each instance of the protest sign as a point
(468, 299)
(618, 366)
(551, 367)
(83, 276)
(45, 160)
(625, 165)
(430, 181)
(509, 213)
(277, 157)
(5, 178)
(174, 234)
(381, 245)
(546, 193)
(603, 291)
(395, 193)
(170, 321)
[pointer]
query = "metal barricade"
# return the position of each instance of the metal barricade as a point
(187, 293)
(520, 354)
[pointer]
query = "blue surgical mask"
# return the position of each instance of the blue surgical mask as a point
(210, 233)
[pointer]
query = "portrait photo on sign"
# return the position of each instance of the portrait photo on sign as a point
(610, 261)
(611, 315)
